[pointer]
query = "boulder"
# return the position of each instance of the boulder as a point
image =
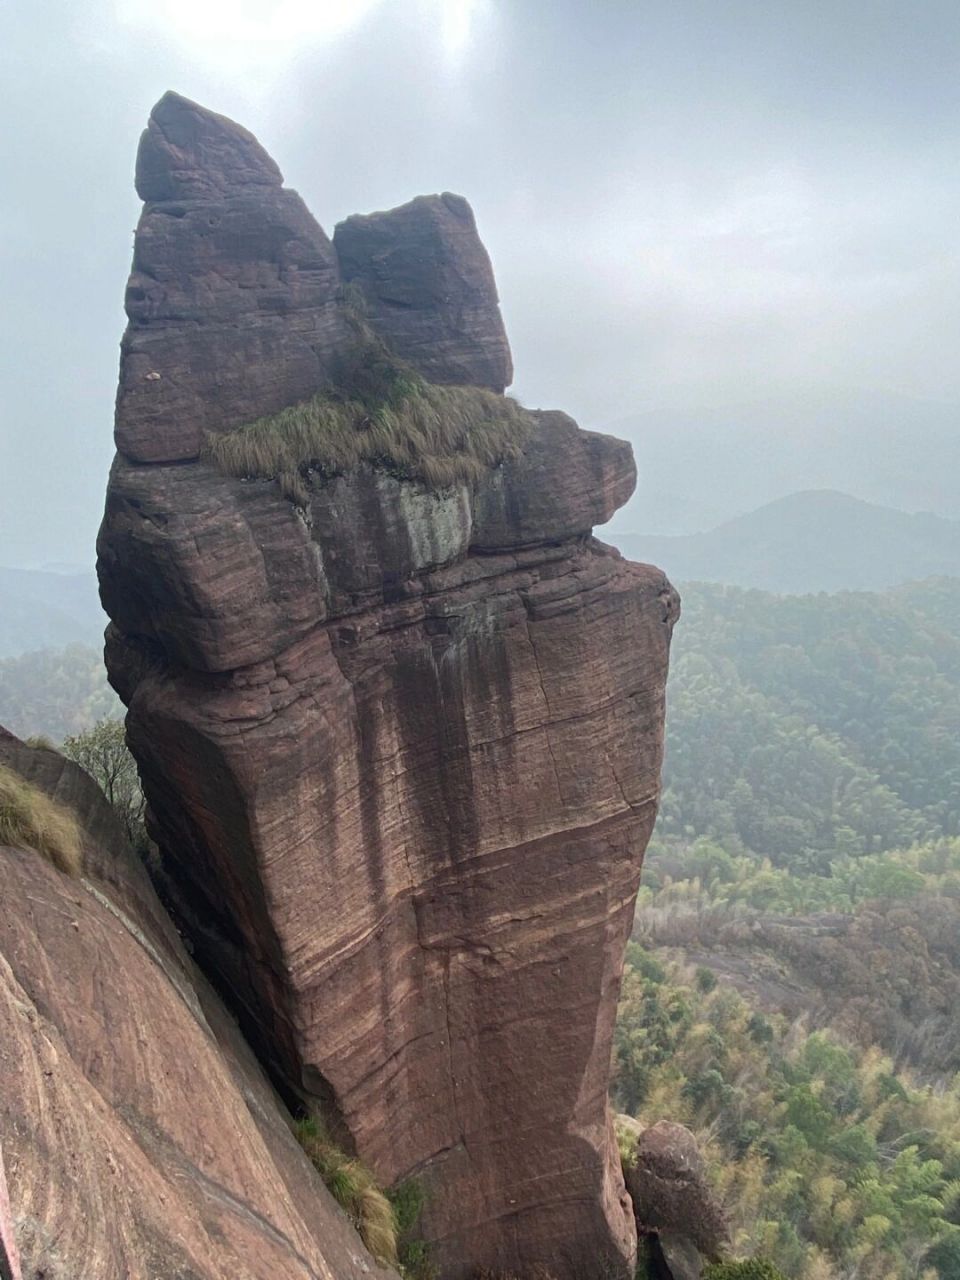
(673, 1201)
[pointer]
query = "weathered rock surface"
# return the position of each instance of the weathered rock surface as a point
(402, 754)
(9, 1253)
(233, 296)
(429, 288)
(672, 1198)
(235, 303)
(139, 1135)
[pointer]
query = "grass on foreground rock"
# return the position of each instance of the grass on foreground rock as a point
(385, 1221)
(388, 417)
(30, 819)
(354, 1189)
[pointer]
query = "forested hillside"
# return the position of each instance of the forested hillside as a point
(827, 1159)
(55, 692)
(802, 727)
(793, 990)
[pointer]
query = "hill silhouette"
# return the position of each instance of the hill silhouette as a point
(815, 540)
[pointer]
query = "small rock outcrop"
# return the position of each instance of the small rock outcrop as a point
(138, 1133)
(673, 1202)
(401, 745)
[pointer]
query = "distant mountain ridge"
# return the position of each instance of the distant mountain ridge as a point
(705, 464)
(44, 610)
(815, 540)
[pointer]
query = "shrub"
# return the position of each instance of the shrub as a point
(706, 979)
(102, 752)
(30, 819)
(354, 1188)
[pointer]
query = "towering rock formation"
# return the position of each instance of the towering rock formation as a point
(401, 746)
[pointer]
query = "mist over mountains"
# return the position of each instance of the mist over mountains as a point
(45, 609)
(818, 540)
(704, 465)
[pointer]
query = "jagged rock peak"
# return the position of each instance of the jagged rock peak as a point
(429, 288)
(189, 153)
(235, 299)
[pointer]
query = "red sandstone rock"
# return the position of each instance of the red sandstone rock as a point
(402, 755)
(671, 1196)
(429, 290)
(139, 1135)
(233, 299)
(9, 1253)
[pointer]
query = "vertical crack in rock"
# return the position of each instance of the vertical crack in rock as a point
(401, 745)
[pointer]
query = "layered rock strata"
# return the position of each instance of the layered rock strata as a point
(139, 1135)
(401, 747)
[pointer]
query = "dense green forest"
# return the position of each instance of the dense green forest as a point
(793, 987)
(827, 1160)
(803, 727)
(55, 692)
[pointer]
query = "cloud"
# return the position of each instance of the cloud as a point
(686, 203)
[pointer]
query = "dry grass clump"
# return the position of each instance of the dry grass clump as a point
(392, 419)
(30, 819)
(353, 1186)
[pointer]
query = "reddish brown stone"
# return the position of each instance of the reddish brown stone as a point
(402, 753)
(233, 298)
(429, 290)
(139, 1135)
(9, 1253)
(671, 1196)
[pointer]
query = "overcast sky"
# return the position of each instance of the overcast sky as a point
(687, 203)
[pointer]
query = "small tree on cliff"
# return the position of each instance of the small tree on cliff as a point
(102, 752)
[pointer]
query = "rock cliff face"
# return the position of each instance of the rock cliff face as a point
(139, 1136)
(401, 747)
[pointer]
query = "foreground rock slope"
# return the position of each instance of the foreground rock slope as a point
(401, 747)
(139, 1135)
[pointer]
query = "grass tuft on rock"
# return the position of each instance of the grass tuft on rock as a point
(354, 1188)
(389, 417)
(30, 819)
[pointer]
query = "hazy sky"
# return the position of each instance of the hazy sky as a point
(687, 203)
